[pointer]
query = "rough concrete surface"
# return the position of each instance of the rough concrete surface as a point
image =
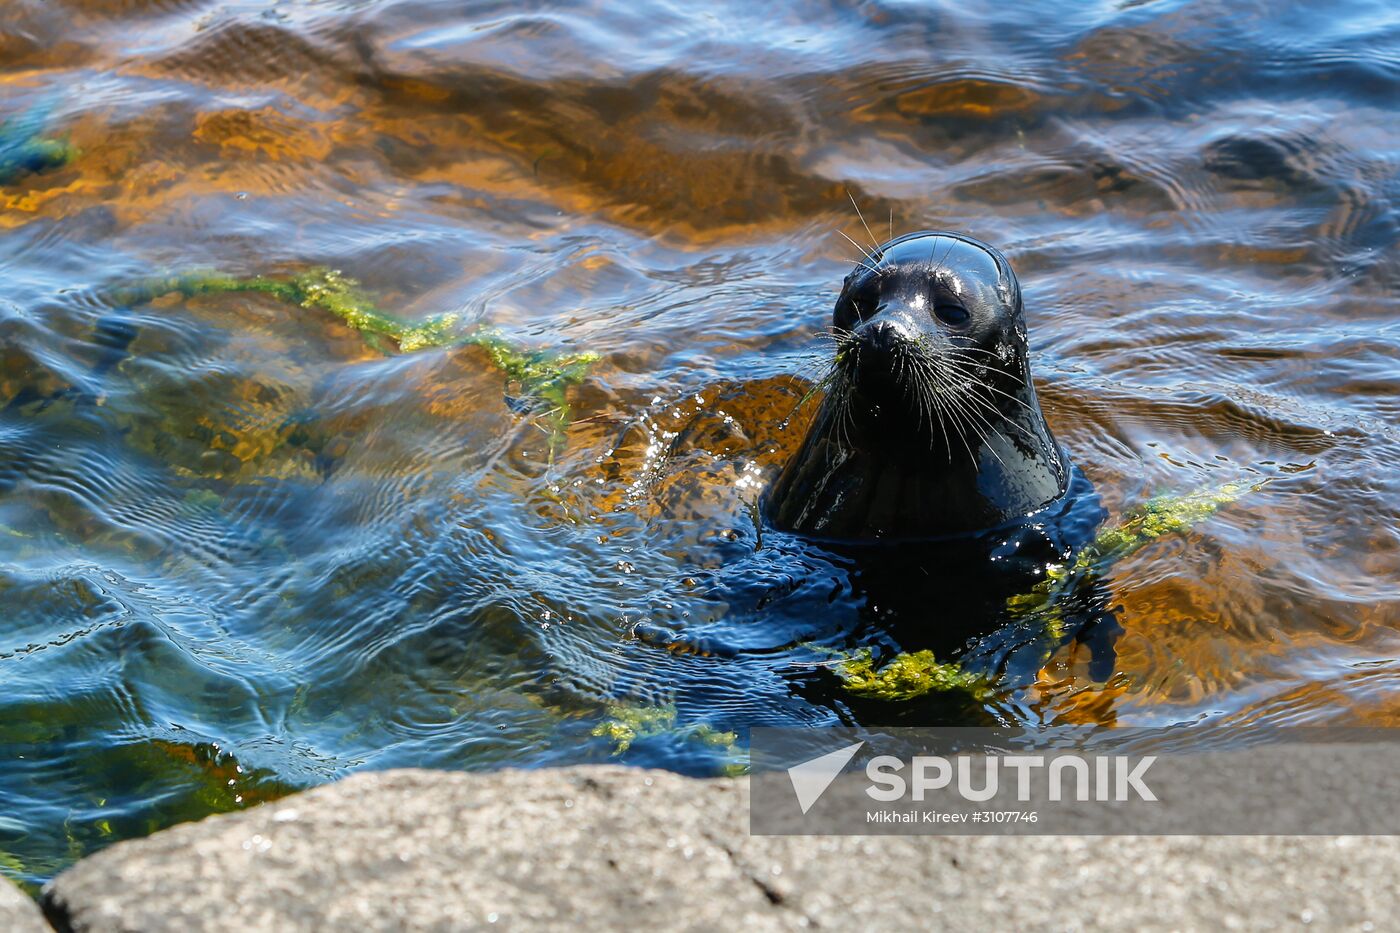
(616, 848)
(17, 912)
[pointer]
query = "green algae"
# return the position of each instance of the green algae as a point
(201, 501)
(910, 675)
(626, 724)
(1041, 610)
(906, 676)
(13, 867)
(320, 289)
(543, 377)
(1158, 516)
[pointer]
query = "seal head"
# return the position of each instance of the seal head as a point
(930, 427)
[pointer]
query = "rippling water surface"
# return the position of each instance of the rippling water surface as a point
(243, 549)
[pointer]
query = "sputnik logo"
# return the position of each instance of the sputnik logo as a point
(811, 778)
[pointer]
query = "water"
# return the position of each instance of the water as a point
(243, 550)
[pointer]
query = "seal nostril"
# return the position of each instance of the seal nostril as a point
(881, 336)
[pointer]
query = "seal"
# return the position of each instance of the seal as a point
(930, 427)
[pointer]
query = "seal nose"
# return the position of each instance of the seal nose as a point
(883, 335)
(878, 341)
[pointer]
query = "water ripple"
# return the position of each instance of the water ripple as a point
(243, 550)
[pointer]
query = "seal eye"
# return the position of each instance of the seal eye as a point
(952, 315)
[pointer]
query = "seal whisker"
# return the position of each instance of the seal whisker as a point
(973, 419)
(970, 365)
(904, 366)
(928, 401)
(816, 367)
(953, 341)
(933, 271)
(963, 348)
(947, 413)
(846, 413)
(986, 439)
(979, 433)
(992, 388)
(990, 410)
(929, 413)
(848, 423)
(970, 392)
(864, 265)
(962, 435)
(873, 242)
(864, 252)
(839, 336)
(807, 397)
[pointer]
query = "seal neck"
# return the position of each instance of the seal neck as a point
(870, 473)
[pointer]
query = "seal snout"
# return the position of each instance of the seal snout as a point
(877, 344)
(884, 335)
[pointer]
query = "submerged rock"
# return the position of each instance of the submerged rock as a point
(25, 148)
